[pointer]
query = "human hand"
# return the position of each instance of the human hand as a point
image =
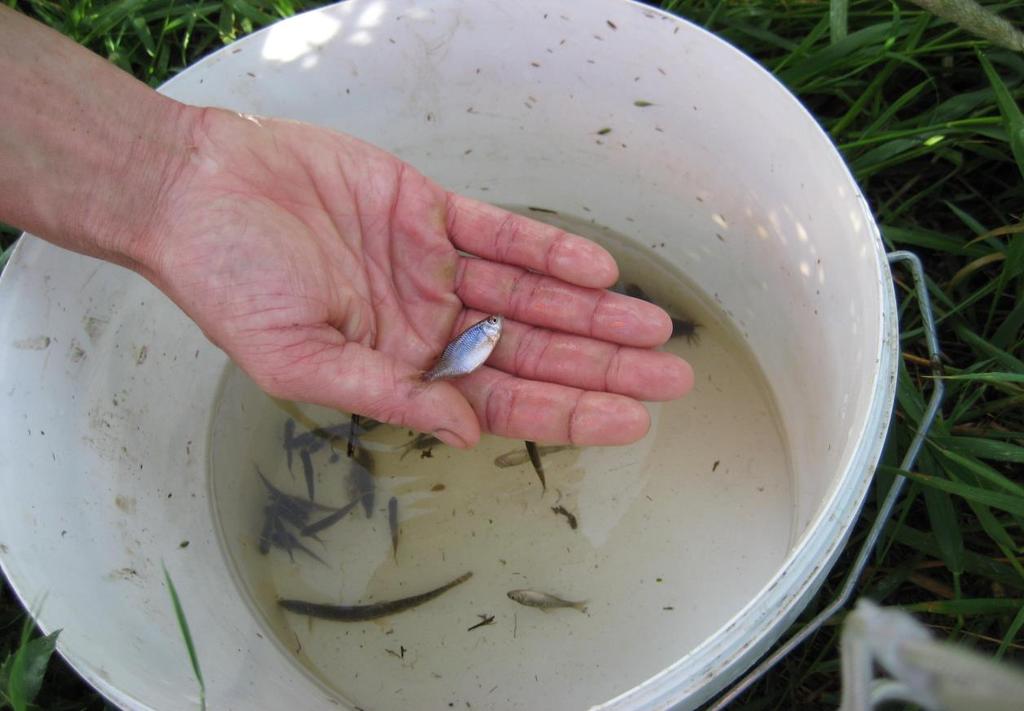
(330, 271)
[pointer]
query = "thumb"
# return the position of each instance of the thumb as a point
(352, 377)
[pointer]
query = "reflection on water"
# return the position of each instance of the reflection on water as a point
(672, 535)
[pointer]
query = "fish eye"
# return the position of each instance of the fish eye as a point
(492, 319)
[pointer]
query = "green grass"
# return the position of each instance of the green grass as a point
(928, 117)
(186, 634)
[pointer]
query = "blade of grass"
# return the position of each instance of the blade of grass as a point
(1012, 116)
(1011, 634)
(974, 563)
(837, 19)
(1004, 502)
(981, 447)
(179, 613)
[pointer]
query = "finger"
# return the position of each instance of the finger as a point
(502, 236)
(320, 367)
(542, 301)
(544, 412)
(549, 356)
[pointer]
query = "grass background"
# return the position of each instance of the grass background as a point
(926, 116)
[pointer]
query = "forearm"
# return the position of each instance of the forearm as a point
(86, 150)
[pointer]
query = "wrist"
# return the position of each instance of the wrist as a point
(130, 207)
(87, 152)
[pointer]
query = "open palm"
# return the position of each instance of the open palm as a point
(334, 273)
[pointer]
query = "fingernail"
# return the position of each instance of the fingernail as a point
(451, 439)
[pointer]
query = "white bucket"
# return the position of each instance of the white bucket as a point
(110, 391)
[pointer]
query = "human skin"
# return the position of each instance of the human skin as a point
(327, 269)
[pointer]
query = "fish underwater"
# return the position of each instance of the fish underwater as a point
(538, 466)
(393, 525)
(520, 456)
(360, 479)
(360, 613)
(544, 601)
(468, 351)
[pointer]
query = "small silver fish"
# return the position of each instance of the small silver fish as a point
(468, 351)
(544, 601)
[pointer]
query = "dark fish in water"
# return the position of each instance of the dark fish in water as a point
(637, 293)
(520, 456)
(369, 425)
(266, 531)
(360, 613)
(327, 521)
(284, 539)
(538, 466)
(281, 509)
(420, 442)
(289, 436)
(360, 479)
(291, 508)
(315, 440)
(468, 351)
(353, 434)
(686, 328)
(544, 601)
(393, 525)
(681, 327)
(307, 470)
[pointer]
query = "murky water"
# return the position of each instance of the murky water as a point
(675, 534)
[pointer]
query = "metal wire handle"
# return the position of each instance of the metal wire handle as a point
(846, 592)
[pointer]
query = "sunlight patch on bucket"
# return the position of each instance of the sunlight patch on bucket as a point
(287, 41)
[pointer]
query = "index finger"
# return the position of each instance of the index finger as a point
(501, 236)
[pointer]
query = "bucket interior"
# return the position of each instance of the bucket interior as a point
(720, 197)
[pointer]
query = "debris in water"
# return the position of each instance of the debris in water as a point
(568, 515)
(484, 621)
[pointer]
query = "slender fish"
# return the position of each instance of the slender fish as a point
(520, 456)
(360, 479)
(286, 540)
(468, 351)
(289, 437)
(544, 601)
(359, 613)
(327, 521)
(393, 525)
(353, 433)
(538, 466)
(292, 508)
(420, 442)
(307, 470)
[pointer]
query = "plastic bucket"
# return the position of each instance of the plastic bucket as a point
(109, 390)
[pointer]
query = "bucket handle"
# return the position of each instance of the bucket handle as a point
(849, 585)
